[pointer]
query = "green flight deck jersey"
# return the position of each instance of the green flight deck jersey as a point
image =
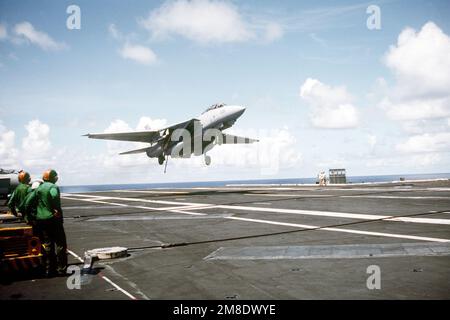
(48, 200)
(18, 196)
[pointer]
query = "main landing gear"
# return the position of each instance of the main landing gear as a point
(162, 159)
(207, 160)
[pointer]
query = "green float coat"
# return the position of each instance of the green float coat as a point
(48, 201)
(18, 196)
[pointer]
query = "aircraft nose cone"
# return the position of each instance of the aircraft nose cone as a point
(239, 111)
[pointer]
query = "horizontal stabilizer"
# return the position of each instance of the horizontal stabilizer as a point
(143, 150)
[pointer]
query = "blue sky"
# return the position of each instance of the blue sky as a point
(372, 104)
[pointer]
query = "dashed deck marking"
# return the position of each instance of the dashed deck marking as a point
(397, 197)
(336, 214)
(378, 234)
(344, 196)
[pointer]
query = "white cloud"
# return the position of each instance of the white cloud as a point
(3, 32)
(417, 108)
(8, 152)
(147, 123)
(416, 127)
(118, 125)
(138, 54)
(439, 142)
(372, 140)
(420, 62)
(420, 96)
(114, 32)
(332, 107)
(37, 141)
(36, 145)
(44, 41)
(202, 21)
(405, 162)
(425, 160)
(35, 153)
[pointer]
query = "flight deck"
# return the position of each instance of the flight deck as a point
(257, 242)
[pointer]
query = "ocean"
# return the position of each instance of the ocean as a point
(350, 179)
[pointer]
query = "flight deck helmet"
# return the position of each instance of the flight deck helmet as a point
(24, 177)
(50, 175)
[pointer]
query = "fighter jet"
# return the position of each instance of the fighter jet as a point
(194, 136)
(8, 182)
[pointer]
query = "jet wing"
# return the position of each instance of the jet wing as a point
(136, 136)
(232, 139)
(149, 136)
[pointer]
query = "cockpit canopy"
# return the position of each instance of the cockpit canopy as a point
(215, 106)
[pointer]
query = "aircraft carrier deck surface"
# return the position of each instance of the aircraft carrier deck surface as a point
(258, 242)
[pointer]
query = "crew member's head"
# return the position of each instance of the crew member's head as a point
(50, 175)
(24, 177)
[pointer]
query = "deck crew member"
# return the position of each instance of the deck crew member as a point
(28, 208)
(49, 221)
(322, 179)
(19, 193)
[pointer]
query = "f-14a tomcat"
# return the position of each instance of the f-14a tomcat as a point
(194, 136)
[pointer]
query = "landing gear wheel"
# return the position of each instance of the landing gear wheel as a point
(207, 160)
(161, 160)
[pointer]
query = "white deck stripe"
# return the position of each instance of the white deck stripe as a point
(75, 255)
(200, 206)
(343, 196)
(396, 197)
(173, 209)
(118, 288)
(151, 191)
(379, 234)
(306, 212)
(105, 278)
(290, 195)
(131, 199)
(336, 214)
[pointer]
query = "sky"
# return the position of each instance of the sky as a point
(358, 85)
